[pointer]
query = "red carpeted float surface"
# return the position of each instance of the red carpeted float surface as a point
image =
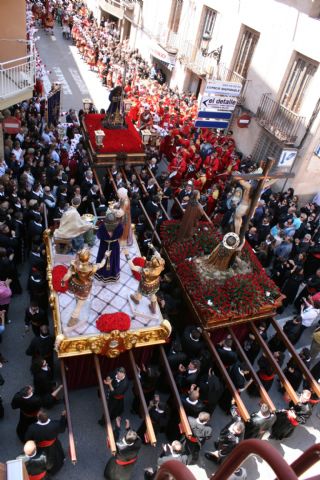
(127, 140)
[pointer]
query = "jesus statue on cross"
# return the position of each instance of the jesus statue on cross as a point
(224, 254)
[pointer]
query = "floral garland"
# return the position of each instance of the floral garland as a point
(58, 272)
(243, 294)
(113, 321)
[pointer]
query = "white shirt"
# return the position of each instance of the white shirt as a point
(308, 316)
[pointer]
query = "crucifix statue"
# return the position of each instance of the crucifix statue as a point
(224, 254)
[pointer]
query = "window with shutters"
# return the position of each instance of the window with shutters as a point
(175, 15)
(247, 42)
(207, 25)
(266, 147)
(300, 75)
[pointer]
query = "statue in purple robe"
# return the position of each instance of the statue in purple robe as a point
(109, 234)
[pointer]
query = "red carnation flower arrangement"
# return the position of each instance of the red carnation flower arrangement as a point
(113, 321)
(58, 272)
(138, 262)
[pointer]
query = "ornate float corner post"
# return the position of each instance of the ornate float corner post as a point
(59, 339)
(167, 326)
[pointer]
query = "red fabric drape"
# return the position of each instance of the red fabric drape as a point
(81, 372)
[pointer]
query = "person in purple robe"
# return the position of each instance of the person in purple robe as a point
(109, 234)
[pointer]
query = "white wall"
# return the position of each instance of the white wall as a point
(284, 26)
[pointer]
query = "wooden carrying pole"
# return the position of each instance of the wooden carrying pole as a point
(263, 393)
(151, 437)
(314, 385)
(110, 436)
(234, 392)
(185, 427)
(286, 385)
(72, 447)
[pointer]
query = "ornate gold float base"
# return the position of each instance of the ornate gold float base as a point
(109, 344)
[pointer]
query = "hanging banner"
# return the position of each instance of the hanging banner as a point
(53, 107)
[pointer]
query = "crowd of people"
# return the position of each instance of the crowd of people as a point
(43, 171)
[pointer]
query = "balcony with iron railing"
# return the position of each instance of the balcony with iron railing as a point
(168, 39)
(17, 79)
(278, 120)
(118, 8)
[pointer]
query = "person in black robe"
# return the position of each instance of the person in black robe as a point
(116, 385)
(293, 374)
(159, 415)
(149, 379)
(201, 432)
(191, 341)
(38, 288)
(292, 328)
(43, 385)
(230, 436)
(211, 390)
(238, 374)
(291, 285)
(45, 433)
(303, 408)
(169, 452)
(252, 346)
(227, 355)
(120, 466)
(266, 372)
(259, 423)
(35, 316)
(29, 404)
(283, 427)
(42, 346)
(188, 376)
(35, 462)
(176, 356)
(191, 402)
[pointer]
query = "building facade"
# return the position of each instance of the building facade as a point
(17, 62)
(271, 47)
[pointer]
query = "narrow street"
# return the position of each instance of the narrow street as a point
(64, 65)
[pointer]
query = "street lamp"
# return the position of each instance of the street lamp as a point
(99, 136)
(206, 38)
(87, 102)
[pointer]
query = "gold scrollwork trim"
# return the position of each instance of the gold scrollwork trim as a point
(113, 343)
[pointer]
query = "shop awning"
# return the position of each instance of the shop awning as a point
(158, 52)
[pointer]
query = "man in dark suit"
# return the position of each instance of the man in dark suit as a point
(117, 384)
